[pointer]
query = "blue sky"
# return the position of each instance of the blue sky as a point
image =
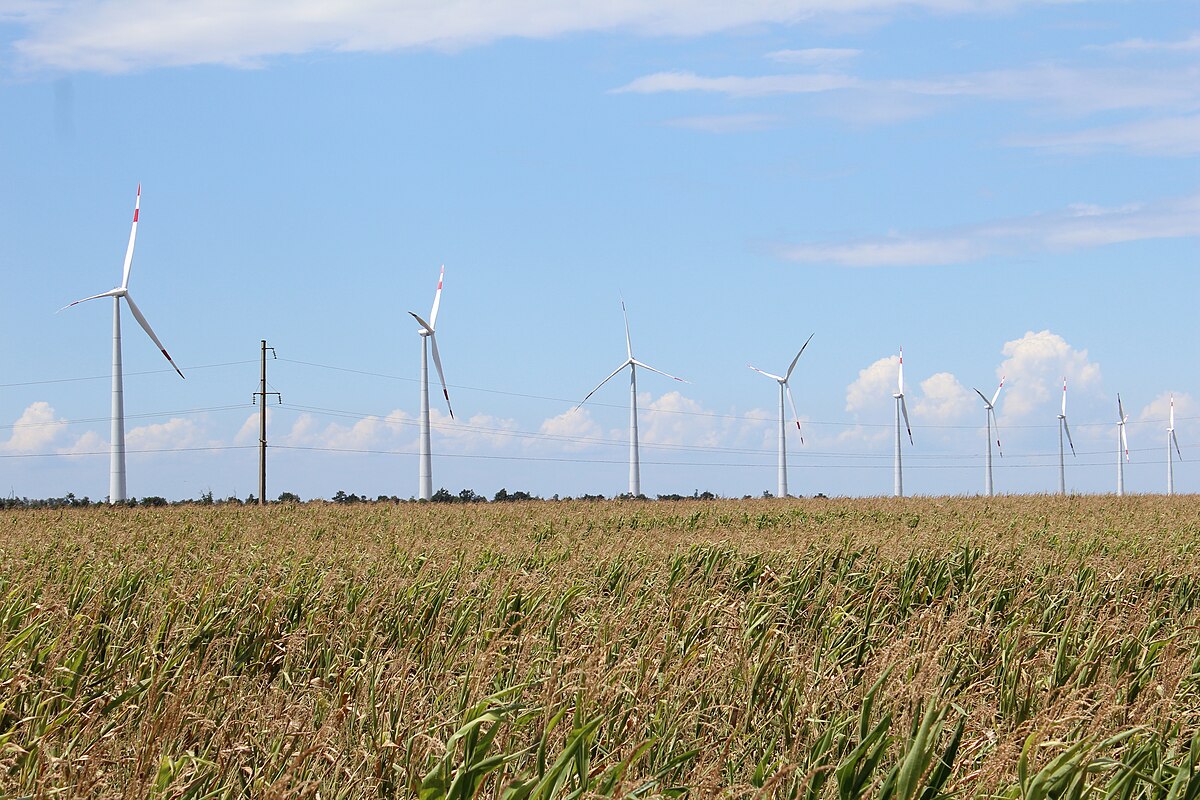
(1000, 187)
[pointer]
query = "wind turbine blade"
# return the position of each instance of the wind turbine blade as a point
(659, 371)
(996, 428)
(1067, 428)
(109, 293)
(769, 375)
(421, 322)
(795, 414)
(1120, 408)
(904, 408)
(437, 362)
(615, 372)
(628, 341)
(1064, 400)
(1175, 439)
(1172, 414)
(997, 394)
(437, 300)
(788, 374)
(137, 314)
(984, 399)
(137, 204)
(900, 379)
(1124, 441)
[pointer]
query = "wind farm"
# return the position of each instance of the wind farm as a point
(469, 576)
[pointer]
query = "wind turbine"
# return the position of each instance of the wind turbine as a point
(1122, 444)
(901, 408)
(429, 341)
(635, 478)
(1062, 426)
(116, 468)
(990, 413)
(1172, 439)
(785, 389)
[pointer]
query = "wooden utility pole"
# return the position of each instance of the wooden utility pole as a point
(262, 424)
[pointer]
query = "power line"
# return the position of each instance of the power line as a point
(190, 368)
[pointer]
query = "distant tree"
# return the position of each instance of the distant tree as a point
(289, 497)
(469, 496)
(442, 496)
(500, 496)
(154, 501)
(206, 498)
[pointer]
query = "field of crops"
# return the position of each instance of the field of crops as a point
(1030, 647)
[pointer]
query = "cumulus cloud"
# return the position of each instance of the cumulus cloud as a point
(674, 419)
(873, 384)
(123, 35)
(477, 432)
(1075, 227)
(174, 434)
(36, 429)
(90, 443)
(1034, 368)
(1159, 409)
(572, 429)
(944, 399)
(372, 432)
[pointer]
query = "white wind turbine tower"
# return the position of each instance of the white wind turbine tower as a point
(116, 469)
(635, 478)
(1062, 457)
(429, 341)
(901, 408)
(785, 389)
(990, 413)
(1172, 439)
(1122, 445)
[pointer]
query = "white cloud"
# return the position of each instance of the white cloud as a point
(943, 399)
(737, 86)
(873, 385)
(571, 429)
(1033, 371)
(123, 35)
(87, 444)
(1066, 90)
(248, 432)
(725, 123)
(814, 55)
(1078, 226)
(1157, 413)
(37, 428)
(1169, 136)
(174, 434)
(893, 251)
(369, 433)
(473, 433)
(1188, 45)
(673, 419)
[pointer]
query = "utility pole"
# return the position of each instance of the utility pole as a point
(262, 424)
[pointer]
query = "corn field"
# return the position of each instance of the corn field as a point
(1034, 648)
